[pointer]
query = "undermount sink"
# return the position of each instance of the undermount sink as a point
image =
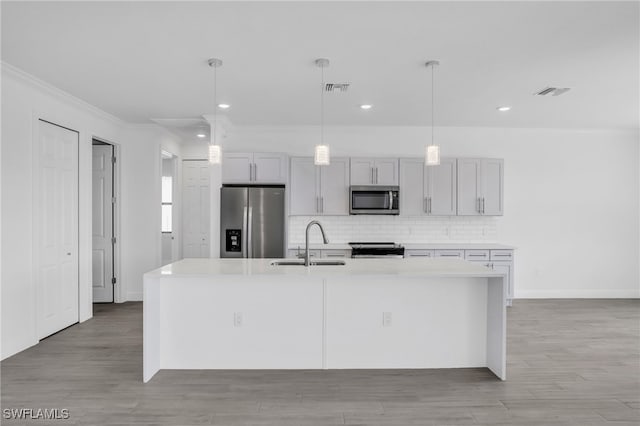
(300, 262)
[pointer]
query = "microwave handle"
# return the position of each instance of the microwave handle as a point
(390, 200)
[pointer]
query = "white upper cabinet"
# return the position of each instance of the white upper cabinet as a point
(480, 186)
(319, 190)
(374, 171)
(258, 167)
(237, 167)
(412, 191)
(427, 190)
(440, 185)
(334, 187)
(303, 188)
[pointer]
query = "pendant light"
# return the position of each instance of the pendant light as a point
(215, 151)
(322, 156)
(432, 151)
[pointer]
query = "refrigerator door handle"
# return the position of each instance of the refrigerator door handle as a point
(249, 240)
(244, 232)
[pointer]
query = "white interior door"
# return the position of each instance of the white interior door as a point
(196, 202)
(57, 228)
(102, 219)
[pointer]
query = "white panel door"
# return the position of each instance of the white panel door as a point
(361, 171)
(469, 186)
(440, 186)
(303, 200)
(196, 202)
(237, 167)
(413, 201)
(386, 171)
(57, 228)
(334, 187)
(269, 168)
(492, 186)
(102, 220)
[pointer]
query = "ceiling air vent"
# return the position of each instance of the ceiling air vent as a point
(336, 87)
(552, 91)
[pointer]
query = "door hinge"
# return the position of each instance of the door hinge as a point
(113, 240)
(113, 200)
(113, 280)
(113, 160)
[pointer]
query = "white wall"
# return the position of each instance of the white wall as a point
(571, 196)
(25, 99)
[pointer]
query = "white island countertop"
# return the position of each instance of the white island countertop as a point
(438, 267)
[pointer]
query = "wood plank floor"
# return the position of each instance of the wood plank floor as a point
(570, 362)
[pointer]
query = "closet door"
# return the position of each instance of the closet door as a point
(56, 228)
(196, 202)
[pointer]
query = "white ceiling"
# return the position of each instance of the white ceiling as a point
(147, 60)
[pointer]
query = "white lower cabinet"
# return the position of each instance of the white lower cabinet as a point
(498, 260)
(419, 253)
(320, 253)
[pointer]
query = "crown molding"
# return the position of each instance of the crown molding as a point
(23, 76)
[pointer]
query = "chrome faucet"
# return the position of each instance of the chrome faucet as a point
(306, 240)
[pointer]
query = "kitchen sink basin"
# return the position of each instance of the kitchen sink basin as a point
(300, 262)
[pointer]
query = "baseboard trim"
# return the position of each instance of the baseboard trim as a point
(134, 297)
(578, 294)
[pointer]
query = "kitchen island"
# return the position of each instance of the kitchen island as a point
(368, 313)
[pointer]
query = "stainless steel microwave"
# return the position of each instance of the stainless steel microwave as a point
(370, 199)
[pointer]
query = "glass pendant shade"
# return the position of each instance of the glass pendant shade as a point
(215, 154)
(432, 155)
(322, 156)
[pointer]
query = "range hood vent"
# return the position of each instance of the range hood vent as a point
(336, 87)
(552, 91)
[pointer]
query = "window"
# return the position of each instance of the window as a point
(167, 203)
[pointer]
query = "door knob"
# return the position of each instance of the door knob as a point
(68, 254)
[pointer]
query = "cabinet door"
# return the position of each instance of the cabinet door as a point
(334, 187)
(469, 185)
(236, 167)
(269, 168)
(386, 171)
(413, 200)
(492, 186)
(303, 191)
(361, 171)
(440, 185)
(507, 268)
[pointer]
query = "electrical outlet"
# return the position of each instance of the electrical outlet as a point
(237, 319)
(386, 319)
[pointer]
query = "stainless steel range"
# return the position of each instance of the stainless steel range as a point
(374, 250)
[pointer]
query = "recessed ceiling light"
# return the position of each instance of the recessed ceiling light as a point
(366, 106)
(504, 108)
(201, 135)
(223, 106)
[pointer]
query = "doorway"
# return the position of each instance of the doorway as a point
(169, 229)
(103, 221)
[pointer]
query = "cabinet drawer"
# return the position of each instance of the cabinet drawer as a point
(450, 253)
(502, 255)
(333, 254)
(476, 254)
(418, 253)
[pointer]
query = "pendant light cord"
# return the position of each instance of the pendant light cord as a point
(322, 106)
(433, 95)
(215, 104)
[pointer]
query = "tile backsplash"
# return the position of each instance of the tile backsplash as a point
(400, 229)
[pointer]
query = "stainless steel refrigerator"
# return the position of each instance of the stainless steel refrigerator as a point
(252, 221)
